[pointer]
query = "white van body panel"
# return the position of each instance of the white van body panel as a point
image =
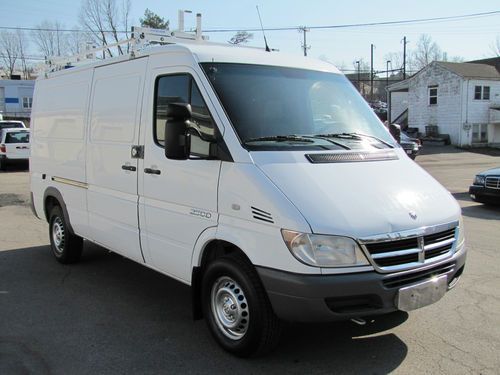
(115, 113)
(359, 199)
(58, 146)
(252, 212)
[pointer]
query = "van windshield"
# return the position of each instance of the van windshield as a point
(277, 108)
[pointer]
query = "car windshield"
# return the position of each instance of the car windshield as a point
(10, 125)
(17, 137)
(281, 108)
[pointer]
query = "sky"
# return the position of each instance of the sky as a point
(467, 38)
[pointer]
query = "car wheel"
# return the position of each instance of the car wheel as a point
(66, 246)
(2, 165)
(237, 309)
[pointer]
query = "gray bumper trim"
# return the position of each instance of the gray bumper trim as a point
(313, 298)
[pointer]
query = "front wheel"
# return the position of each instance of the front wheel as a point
(237, 309)
(66, 246)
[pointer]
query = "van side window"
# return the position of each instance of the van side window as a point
(182, 88)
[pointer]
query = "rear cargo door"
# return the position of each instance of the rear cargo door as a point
(17, 145)
(115, 109)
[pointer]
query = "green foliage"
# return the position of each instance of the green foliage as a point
(153, 20)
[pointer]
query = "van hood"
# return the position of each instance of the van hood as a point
(359, 199)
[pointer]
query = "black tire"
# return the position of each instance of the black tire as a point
(2, 165)
(258, 329)
(66, 246)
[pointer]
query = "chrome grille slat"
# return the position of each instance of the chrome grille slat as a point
(395, 253)
(439, 244)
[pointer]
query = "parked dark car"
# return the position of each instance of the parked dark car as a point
(410, 145)
(486, 187)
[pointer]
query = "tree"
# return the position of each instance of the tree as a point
(495, 47)
(241, 37)
(427, 51)
(23, 46)
(104, 21)
(49, 38)
(153, 20)
(9, 49)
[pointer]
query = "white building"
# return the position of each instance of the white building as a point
(16, 98)
(461, 99)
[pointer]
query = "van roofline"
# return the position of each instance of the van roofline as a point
(210, 52)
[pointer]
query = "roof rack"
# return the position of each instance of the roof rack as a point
(141, 37)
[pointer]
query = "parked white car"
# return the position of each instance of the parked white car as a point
(14, 146)
(262, 180)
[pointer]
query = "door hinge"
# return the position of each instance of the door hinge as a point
(137, 152)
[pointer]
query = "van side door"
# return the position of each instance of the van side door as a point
(179, 197)
(115, 115)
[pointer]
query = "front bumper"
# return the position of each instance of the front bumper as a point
(484, 194)
(316, 298)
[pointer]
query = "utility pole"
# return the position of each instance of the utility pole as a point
(371, 73)
(359, 82)
(304, 30)
(387, 78)
(404, 57)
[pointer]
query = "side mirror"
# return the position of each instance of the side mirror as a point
(177, 139)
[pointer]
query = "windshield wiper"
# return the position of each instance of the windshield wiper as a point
(280, 138)
(354, 135)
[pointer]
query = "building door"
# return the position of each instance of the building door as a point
(480, 133)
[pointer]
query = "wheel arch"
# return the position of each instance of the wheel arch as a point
(212, 248)
(53, 197)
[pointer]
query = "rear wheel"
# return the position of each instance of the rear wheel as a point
(66, 246)
(237, 309)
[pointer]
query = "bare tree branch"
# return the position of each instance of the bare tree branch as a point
(427, 51)
(9, 49)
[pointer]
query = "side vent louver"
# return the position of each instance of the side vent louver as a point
(262, 215)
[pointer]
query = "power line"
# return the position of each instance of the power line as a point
(341, 26)
(417, 20)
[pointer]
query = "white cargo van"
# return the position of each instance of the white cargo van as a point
(279, 194)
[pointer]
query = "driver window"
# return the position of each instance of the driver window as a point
(182, 88)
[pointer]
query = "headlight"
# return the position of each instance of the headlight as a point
(324, 251)
(479, 180)
(461, 232)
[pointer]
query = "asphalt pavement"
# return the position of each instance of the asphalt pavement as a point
(109, 315)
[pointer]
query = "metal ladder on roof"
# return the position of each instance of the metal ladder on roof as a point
(141, 38)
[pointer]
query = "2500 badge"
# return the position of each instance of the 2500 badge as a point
(203, 214)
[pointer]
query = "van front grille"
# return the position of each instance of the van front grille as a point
(411, 252)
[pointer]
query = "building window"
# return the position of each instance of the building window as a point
(27, 102)
(482, 93)
(486, 92)
(433, 95)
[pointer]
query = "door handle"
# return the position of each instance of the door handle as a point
(152, 171)
(129, 168)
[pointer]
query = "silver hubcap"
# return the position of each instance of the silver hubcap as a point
(230, 308)
(58, 234)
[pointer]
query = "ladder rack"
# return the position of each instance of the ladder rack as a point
(141, 38)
